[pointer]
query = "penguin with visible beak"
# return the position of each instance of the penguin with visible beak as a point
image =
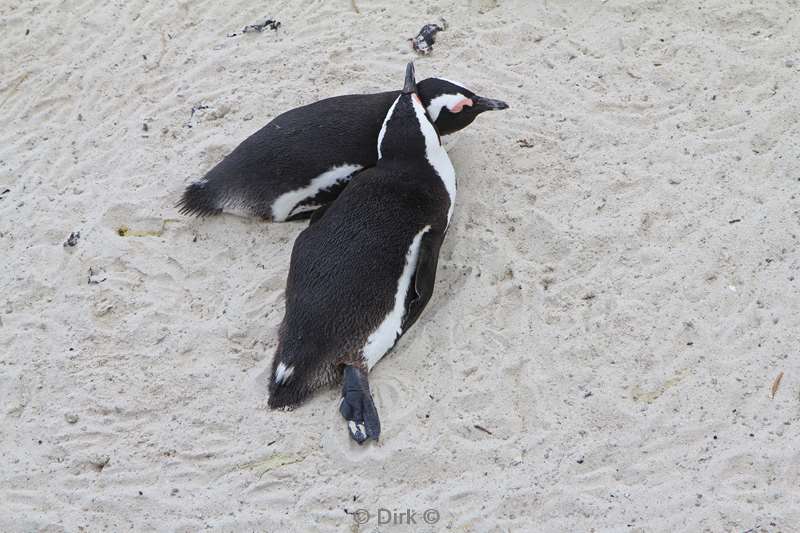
(304, 158)
(364, 269)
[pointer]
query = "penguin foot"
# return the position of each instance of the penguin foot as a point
(357, 406)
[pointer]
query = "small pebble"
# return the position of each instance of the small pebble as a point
(96, 276)
(71, 418)
(99, 462)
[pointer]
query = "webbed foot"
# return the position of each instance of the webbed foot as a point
(357, 406)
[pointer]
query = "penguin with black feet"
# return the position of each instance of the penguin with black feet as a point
(304, 158)
(364, 269)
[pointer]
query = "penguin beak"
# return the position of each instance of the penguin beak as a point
(481, 104)
(410, 86)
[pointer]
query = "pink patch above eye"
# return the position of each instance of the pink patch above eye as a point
(460, 105)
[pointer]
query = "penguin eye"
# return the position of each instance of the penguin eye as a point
(458, 106)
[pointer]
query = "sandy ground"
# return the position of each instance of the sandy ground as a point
(617, 294)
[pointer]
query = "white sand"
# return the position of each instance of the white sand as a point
(597, 309)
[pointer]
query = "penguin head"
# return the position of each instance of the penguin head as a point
(407, 130)
(452, 106)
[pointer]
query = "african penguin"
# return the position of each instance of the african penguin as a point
(364, 269)
(303, 158)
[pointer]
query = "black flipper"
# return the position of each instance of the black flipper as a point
(357, 406)
(424, 279)
(323, 199)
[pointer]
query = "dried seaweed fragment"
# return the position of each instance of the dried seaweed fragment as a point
(776, 384)
(268, 24)
(423, 42)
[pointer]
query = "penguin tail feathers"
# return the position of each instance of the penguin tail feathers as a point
(198, 199)
(287, 394)
(286, 387)
(282, 398)
(292, 380)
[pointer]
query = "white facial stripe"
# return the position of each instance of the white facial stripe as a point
(448, 100)
(437, 156)
(464, 85)
(383, 338)
(285, 204)
(283, 373)
(383, 127)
